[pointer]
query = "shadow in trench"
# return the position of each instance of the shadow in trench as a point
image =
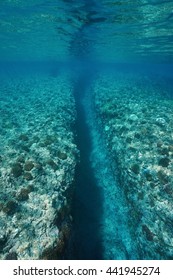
(87, 208)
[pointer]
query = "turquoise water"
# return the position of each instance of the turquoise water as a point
(86, 144)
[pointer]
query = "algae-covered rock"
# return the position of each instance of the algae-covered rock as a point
(29, 165)
(135, 168)
(148, 176)
(10, 207)
(23, 194)
(162, 177)
(164, 162)
(52, 164)
(17, 169)
(62, 155)
(164, 151)
(159, 144)
(28, 176)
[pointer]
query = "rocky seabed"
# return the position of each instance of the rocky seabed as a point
(135, 115)
(37, 165)
(130, 119)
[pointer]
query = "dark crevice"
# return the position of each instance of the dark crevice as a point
(87, 208)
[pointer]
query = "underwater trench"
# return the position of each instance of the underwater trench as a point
(100, 211)
(87, 205)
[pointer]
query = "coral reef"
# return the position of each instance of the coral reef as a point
(37, 163)
(135, 115)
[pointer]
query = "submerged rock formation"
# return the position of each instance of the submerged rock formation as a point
(135, 116)
(37, 163)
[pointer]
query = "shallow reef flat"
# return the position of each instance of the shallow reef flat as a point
(135, 115)
(37, 164)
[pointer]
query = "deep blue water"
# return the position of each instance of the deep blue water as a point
(85, 39)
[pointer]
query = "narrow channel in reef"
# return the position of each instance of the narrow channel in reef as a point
(87, 207)
(86, 142)
(101, 214)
